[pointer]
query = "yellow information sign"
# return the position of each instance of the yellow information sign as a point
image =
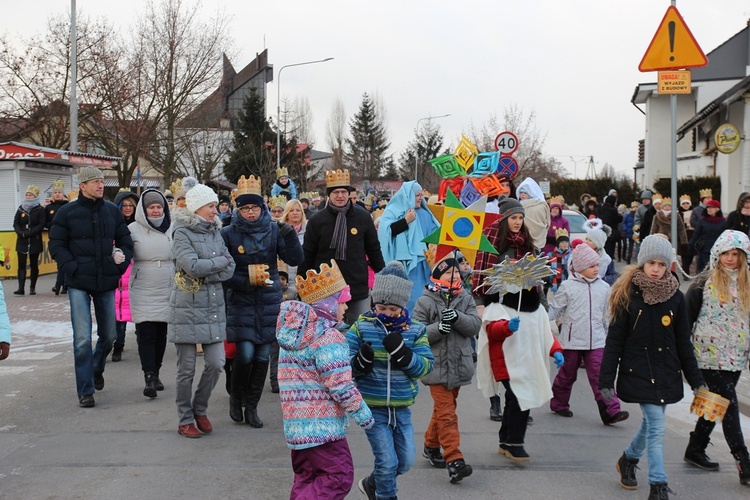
(674, 82)
(727, 138)
(673, 46)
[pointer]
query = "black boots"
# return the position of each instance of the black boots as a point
(496, 413)
(695, 454)
(458, 469)
(157, 382)
(240, 374)
(150, 390)
(659, 491)
(21, 284)
(626, 467)
(117, 354)
(254, 390)
(228, 373)
(434, 456)
(743, 465)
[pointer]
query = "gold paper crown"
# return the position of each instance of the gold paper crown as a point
(277, 202)
(666, 201)
(562, 232)
(33, 189)
(337, 178)
(73, 195)
(557, 199)
(706, 193)
(234, 194)
(634, 204)
(282, 172)
(369, 200)
(282, 266)
(656, 197)
(685, 197)
(176, 187)
(429, 254)
(58, 185)
(308, 195)
(251, 185)
(319, 285)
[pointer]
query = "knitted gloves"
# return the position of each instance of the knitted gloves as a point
(400, 354)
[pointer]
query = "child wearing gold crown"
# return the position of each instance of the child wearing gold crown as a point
(284, 183)
(316, 387)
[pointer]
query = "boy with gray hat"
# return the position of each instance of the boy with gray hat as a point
(390, 352)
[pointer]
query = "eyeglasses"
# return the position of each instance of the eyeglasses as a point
(248, 209)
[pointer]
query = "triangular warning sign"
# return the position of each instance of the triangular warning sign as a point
(673, 46)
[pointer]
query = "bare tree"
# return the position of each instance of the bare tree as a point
(183, 63)
(336, 133)
(303, 121)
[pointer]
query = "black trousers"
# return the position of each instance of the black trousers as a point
(33, 259)
(515, 421)
(152, 342)
(724, 383)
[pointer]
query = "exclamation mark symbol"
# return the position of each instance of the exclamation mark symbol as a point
(671, 27)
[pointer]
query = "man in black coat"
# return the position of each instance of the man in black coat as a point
(609, 216)
(92, 245)
(344, 232)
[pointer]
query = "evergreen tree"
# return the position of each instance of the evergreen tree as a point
(428, 142)
(253, 152)
(366, 156)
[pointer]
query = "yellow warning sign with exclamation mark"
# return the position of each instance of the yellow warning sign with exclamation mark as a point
(673, 46)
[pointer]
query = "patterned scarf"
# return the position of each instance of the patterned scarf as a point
(516, 241)
(435, 285)
(656, 291)
(399, 324)
(339, 231)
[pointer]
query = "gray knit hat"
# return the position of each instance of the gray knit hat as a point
(655, 247)
(392, 285)
(510, 206)
(89, 174)
(152, 196)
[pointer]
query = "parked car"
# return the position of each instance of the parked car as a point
(576, 220)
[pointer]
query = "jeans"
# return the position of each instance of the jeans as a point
(188, 404)
(152, 342)
(88, 361)
(247, 352)
(650, 438)
(120, 327)
(392, 442)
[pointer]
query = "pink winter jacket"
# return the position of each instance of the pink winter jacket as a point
(122, 297)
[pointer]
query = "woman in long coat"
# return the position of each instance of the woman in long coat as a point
(197, 313)
(151, 277)
(28, 224)
(254, 297)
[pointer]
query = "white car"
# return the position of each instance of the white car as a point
(576, 220)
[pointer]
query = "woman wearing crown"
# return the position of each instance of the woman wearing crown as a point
(28, 224)
(57, 201)
(254, 294)
(284, 183)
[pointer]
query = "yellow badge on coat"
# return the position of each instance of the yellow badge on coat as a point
(241, 249)
(666, 320)
(353, 230)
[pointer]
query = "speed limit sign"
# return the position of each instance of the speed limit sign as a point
(506, 142)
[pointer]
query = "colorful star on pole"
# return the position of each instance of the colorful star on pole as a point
(461, 228)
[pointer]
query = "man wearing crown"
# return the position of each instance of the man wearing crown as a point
(695, 216)
(346, 233)
(57, 201)
(284, 183)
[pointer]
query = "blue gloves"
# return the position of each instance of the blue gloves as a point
(559, 359)
(608, 394)
(513, 324)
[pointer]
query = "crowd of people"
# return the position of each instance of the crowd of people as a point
(339, 297)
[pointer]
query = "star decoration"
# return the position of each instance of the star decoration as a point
(461, 228)
(447, 167)
(484, 164)
(489, 186)
(512, 276)
(465, 152)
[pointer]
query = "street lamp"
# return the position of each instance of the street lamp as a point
(278, 104)
(416, 146)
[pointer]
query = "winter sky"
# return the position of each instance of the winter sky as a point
(574, 63)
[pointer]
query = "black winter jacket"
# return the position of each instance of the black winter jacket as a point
(252, 311)
(706, 232)
(28, 227)
(81, 240)
(361, 243)
(651, 346)
(50, 210)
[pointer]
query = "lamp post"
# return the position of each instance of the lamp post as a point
(278, 105)
(416, 146)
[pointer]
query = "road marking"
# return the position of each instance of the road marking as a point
(34, 356)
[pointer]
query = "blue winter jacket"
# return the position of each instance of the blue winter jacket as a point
(627, 224)
(387, 385)
(252, 310)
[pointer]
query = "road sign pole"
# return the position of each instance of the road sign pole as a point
(673, 141)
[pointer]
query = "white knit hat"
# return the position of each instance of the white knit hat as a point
(198, 196)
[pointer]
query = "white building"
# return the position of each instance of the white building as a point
(720, 94)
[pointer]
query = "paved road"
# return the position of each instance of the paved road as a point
(128, 445)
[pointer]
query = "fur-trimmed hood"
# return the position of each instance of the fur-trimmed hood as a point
(182, 218)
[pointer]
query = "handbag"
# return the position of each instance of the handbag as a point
(186, 283)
